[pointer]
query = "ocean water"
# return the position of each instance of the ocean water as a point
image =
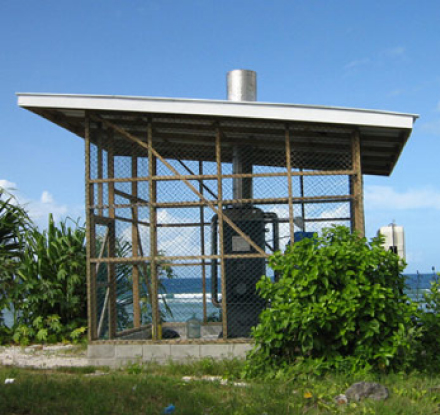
(420, 281)
(418, 285)
(194, 285)
(184, 297)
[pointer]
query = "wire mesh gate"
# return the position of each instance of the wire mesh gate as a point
(183, 213)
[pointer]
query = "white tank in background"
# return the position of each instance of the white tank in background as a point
(394, 239)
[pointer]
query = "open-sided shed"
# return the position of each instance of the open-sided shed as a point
(186, 199)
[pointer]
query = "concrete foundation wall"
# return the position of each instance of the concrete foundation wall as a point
(117, 355)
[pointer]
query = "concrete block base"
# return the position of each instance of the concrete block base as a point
(116, 355)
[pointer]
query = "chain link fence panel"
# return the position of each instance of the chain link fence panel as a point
(187, 210)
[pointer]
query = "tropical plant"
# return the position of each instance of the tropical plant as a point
(338, 297)
(43, 278)
(14, 222)
(50, 295)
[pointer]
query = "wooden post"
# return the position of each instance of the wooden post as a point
(352, 202)
(97, 265)
(100, 169)
(112, 312)
(90, 239)
(220, 230)
(357, 185)
(202, 243)
(289, 185)
(303, 209)
(134, 241)
(157, 332)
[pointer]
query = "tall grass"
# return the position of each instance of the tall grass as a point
(149, 389)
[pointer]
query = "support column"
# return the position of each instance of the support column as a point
(357, 191)
(303, 207)
(112, 312)
(289, 184)
(220, 230)
(90, 239)
(100, 171)
(202, 243)
(157, 328)
(134, 240)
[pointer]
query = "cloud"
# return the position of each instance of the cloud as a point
(39, 209)
(46, 198)
(357, 63)
(181, 241)
(397, 52)
(381, 57)
(396, 92)
(415, 256)
(337, 212)
(386, 198)
(432, 127)
(7, 185)
(172, 241)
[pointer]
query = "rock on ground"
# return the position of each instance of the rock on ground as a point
(362, 390)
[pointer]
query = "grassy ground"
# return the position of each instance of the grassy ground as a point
(148, 390)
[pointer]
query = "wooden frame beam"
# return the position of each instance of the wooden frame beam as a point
(202, 225)
(188, 184)
(157, 332)
(221, 217)
(90, 248)
(357, 186)
(112, 312)
(289, 183)
(224, 176)
(134, 243)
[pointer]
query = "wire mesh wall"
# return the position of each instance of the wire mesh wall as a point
(183, 213)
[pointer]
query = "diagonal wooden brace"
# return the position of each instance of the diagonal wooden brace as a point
(193, 189)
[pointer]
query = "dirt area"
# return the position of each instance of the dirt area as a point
(44, 356)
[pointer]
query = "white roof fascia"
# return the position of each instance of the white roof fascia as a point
(260, 110)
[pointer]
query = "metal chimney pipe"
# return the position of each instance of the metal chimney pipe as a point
(242, 86)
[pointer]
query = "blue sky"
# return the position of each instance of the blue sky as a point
(370, 54)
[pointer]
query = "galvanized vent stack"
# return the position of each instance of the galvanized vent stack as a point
(242, 86)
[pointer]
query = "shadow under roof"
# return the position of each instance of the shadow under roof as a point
(188, 122)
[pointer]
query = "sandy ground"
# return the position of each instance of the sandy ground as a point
(44, 357)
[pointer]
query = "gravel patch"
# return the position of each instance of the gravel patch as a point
(44, 357)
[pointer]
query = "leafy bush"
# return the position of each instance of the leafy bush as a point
(426, 355)
(43, 279)
(49, 294)
(14, 223)
(338, 297)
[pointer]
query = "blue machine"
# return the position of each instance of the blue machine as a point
(299, 236)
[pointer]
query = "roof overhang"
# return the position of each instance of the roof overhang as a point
(383, 134)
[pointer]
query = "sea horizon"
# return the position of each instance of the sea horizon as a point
(184, 295)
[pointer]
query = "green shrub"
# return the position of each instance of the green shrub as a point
(43, 279)
(426, 356)
(339, 297)
(49, 296)
(14, 223)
